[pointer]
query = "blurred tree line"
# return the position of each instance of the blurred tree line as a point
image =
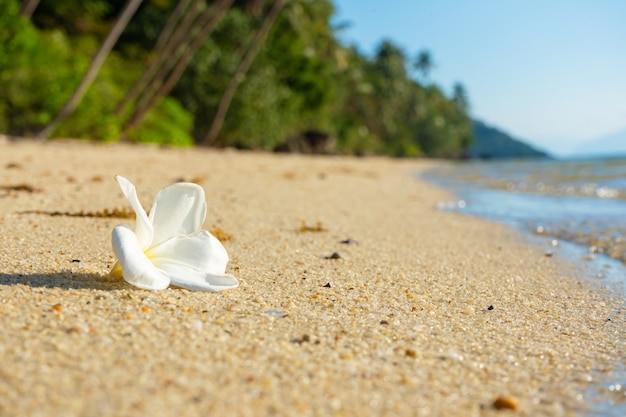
(222, 73)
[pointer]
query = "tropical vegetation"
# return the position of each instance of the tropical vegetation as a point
(224, 73)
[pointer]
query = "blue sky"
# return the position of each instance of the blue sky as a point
(551, 72)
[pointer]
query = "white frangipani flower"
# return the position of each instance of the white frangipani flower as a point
(168, 246)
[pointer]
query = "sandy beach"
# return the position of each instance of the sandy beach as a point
(424, 313)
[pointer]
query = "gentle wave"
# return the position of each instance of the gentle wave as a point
(582, 201)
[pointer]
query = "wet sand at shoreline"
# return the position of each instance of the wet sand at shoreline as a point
(428, 313)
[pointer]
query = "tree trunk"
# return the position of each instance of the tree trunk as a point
(94, 68)
(150, 98)
(170, 25)
(28, 7)
(242, 70)
(167, 49)
(188, 34)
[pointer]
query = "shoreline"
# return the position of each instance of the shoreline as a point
(585, 210)
(431, 313)
(471, 199)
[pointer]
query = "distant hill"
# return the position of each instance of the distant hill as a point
(490, 143)
(609, 145)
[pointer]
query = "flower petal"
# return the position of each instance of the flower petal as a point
(187, 277)
(143, 226)
(136, 267)
(194, 262)
(177, 209)
(200, 251)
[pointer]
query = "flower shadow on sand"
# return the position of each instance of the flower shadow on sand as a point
(65, 280)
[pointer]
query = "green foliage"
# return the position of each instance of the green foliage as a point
(174, 130)
(302, 79)
(261, 115)
(302, 49)
(210, 71)
(32, 81)
(95, 117)
(43, 67)
(76, 17)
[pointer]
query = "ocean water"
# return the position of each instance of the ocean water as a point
(577, 205)
(575, 208)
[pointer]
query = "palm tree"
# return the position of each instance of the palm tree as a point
(28, 7)
(459, 97)
(94, 68)
(166, 50)
(174, 66)
(242, 70)
(424, 64)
